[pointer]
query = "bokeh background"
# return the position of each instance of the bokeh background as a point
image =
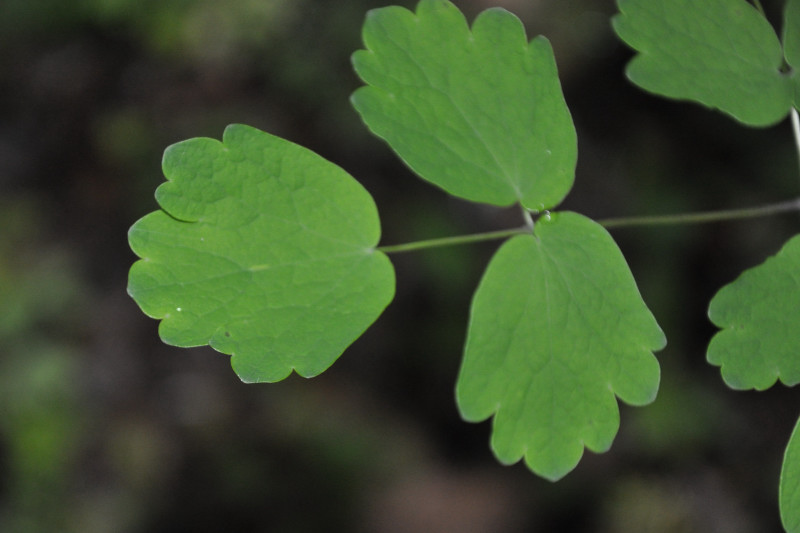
(103, 428)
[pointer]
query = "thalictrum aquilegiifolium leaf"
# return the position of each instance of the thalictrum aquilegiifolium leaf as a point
(479, 112)
(791, 33)
(263, 250)
(791, 43)
(790, 484)
(721, 53)
(759, 344)
(557, 329)
(758, 313)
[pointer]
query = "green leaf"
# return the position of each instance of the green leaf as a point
(478, 113)
(264, 251)
(790, 484)
(557, 329)
(758, 314)
(791, 44)
(720, 53)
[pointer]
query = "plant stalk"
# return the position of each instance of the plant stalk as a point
(609, 223)
(703, 216)
(451, 241)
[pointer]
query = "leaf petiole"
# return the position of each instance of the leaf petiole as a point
(526, 214)
(701, 217)
(450, 241)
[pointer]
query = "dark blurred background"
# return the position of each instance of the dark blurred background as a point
(105, 429)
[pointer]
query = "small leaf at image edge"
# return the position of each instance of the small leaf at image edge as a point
(721, 53)
(758, 316)
(791, 33)
(790, 484)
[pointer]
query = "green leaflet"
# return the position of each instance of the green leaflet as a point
(264, 251)
(720, 53)
(790, 484)
(557, 329)
(758, 314)
(791, 33)
(478, 113)
(791, 43)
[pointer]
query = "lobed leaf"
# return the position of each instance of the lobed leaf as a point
(790, 484)
(478, 113)
(759, 341)
(557, 329)
(263, 250)
(720, 53)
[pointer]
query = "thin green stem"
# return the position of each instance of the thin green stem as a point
(451, 241)
(703, 217)
(760, 8)
(609, 223)
(526, 215)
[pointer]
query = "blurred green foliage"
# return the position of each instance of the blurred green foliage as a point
(42, 423)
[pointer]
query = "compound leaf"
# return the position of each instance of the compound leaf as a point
(557, 329)
(790, 484)
(478, 113)
(720, 53)
(263, 250)
(758, 314)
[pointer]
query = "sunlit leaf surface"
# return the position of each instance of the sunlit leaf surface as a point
(478, 112)
(262, 250)
(557, 330)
